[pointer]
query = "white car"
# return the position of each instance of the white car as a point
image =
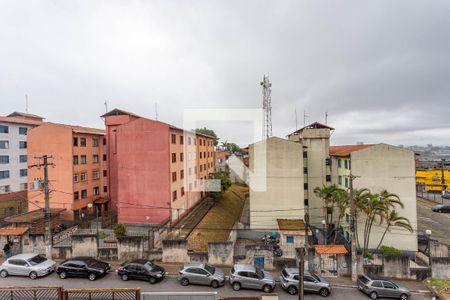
(27, 264)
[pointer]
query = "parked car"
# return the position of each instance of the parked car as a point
(441, 208)
(250, 277)
(141, 269)
(83, 266)
(204, 274)
(378, 288)
(27, 264)
(446, 195)
(312, 283)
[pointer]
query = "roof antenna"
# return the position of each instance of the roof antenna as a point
(26, 103)
(156, 111)
(296, 122)
(106, 106)
(326, 118)
(304, 118)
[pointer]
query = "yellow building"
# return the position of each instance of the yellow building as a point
(431, 180)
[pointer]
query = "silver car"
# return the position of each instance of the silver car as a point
(27, 264)
(249, 277)
(311, 283)
(203, 274)
(382, 288)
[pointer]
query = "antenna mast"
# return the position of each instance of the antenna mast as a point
(106, 106)
(26, 103)
(267, 106)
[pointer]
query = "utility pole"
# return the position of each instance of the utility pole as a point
(352, 229)
(301, 267)
(443, 180)
(47, 212)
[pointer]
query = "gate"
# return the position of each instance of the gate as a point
(31, 293)
(102, 294)
(259, 262)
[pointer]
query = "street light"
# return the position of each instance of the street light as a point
(428, 233)
(325, 232)
(91, 205)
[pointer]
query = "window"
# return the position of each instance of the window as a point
(23, 158)
(75, 159)
(346, 164)
(95, 159)
(83, 159)
(290, 239)
(4, 159)
(83, 142)
(340, 180)
(96, 191)
(104, 141)
(327, 162)
(305, 154)
(4, 145)
(182, 191)
(204, 154)
(105, 189)
(181, 140)
(305, 185)
(23, 172)
(4, 189)
(174, 157)
(104, 157)
(189, 141)
(75, 177)
(94, 142)
(190, 187)
(22, 145)
(181, 156)
(328, 178)
(306, 202)
(201, 168)
(200, 155)
(174, 195)
(388, 285)
(339, 163)
(195, 141)
(23, 130)
(189, 171)
(83, 176)
(349, 164)
(195, 170)
(4, 129)
(174, 176)
(377, 284)
(181, 174)
(174, 139)
(76, 195)
(75, 141)
(346, 182)
(305, 170)
(83, 194)
(105, 173)
(95, 175)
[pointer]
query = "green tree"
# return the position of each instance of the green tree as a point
(327, 194)
(120, 230)
(225, 183)
(230, 147)
(393, 219)
(209, 132)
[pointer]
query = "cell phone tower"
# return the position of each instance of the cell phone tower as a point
(267, 107)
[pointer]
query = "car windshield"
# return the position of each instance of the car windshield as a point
(149, 265)
(260, 273)
(90, 262)
(364, 279)
(35, 260)
(210, 269)
(315, 277)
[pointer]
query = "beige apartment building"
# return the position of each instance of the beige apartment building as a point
(380, 167)
(283, 197)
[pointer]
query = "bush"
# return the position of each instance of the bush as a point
(389, 250)
(368, 255)
(120, 230)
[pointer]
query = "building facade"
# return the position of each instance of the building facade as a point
(13, 150)
(157, 170)
(79, 174)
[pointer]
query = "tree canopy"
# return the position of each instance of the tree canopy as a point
(209, 132)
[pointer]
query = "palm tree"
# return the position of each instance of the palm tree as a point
(375, 207)
(395, 220)
(326, 193)
(341, 198)
(360, 197)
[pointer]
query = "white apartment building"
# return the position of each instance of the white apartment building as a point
(13, 150)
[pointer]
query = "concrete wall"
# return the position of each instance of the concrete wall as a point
(440, 267)
(61, 252)
(154, 254)
(129, 247)
(84, 245)
(201, 257)
(385, 167)
(284, 183)
(221, 253)
(107, 253)
(33, 243)
(260, 251)
(175, 251)
(438, 250)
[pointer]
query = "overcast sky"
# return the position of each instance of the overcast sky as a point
(381, 69)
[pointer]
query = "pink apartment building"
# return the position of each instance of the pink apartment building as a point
(156, 169)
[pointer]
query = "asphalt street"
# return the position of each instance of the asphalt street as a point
(170, 284)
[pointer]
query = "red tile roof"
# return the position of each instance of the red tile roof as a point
(343, 151)
(222, 154)
(32, 216)
(25, 115)
(331, 249)
(22, 195)
(19, 120)
(16, 231)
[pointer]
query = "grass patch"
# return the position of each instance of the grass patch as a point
(216, 225)
(440, 285)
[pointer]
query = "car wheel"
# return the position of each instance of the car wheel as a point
(3, 274)
(184, 281)
(324, 292)
(292, 290)
(124, 277)
(267, 288)
(215, 284)
(92, 277)
(373, 295)
(152, 280)
(236, 286)
(63, 275)
(403, 297)
(33, 275)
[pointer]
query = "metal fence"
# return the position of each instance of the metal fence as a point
(180, 296)
(31, 293)
(102, 294)
(59, 293)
